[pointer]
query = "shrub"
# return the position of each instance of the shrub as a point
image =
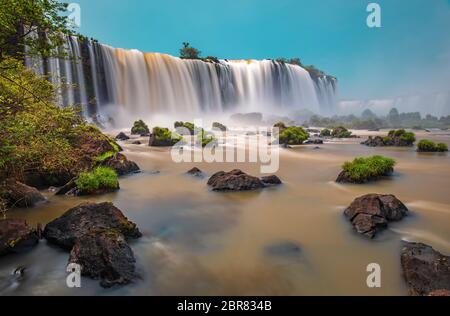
(140, 128)
(187, 125)
(363, 169)
(204, 138)
(219, 126)
(101, 178)
(402, 138)
(325, 133)
(280, 125)
(426, 145)
(341, 132)
(293, 135)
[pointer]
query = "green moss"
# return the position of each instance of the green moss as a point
(293, 135)
(387, 139)
(441, 147)
(99, 178)
(204, 138)
(219, 126)
(362, 169)
(140, 128)
(189, 126)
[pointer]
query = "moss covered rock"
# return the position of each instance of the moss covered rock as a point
(140, 128)
(429, 146)
(362, 169)
(163, 137)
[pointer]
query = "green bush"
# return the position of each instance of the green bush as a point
(205, 138)
(325, 133)
(280, 125)
(426, 145)
(101, 178)
(140, 128)
(219, 126)
(189, 126)
(401, 136)
(341, 132)
(293, 135)
(362, 169)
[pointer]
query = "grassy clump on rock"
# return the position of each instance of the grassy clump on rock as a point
(293, 135)
(403, 137)
(140, 128)
(163, 137)
(325, 133)
(363, 169)
(100, 179)
(341, 132)
(426, 145)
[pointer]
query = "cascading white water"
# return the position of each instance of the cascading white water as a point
(143, 84)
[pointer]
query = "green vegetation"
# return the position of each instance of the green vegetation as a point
(219, 126)
(426, 145)
(341, 132)
(189, 52)
(293, 135)
(205, 138)
(280, 125)
(101, 178)
(325, 133)
(140, 128)
(163, 134)
(187, 125)
(408, 138)
(364, 169)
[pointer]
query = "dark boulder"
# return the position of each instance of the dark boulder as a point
(121, 164)
(76, 222)
(426, 271)
(138, 142)
(371, 213)
(271, 180)
(195, 172)
(16, 236)
(288, 249)
(17, 194)
(104, 254)
(235, 180)
(122, 136)
(313, 142)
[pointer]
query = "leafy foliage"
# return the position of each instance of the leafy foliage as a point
(325, 133)
(189, 52)
(293, 135)
(140, 128)
(426, 145)
(341, 132)
(363, 169)
(98, 179)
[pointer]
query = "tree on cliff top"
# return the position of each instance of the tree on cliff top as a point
(189, 52)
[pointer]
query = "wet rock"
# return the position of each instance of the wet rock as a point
(371, 213)
(76, 222)
(426, 271)
(121, 164)
(271, 180)
(235, 180)
(122, 136)
(16, 236)
(313, 142)
(195, 172)
(67, 189)
(104, 254)
(17, 194)
(138, 142)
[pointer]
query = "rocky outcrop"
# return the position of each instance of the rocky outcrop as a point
(313, 142)
(78, 221)
(397, 138)
(137, 142)
(163, 137)
(95, 235)
(122, 136)
(104, 254)
(371, 213)
(238, 180)
(426, 271)
(195, 172)
(17, 194)
(121, 164)
(16, 236)
(271, 180)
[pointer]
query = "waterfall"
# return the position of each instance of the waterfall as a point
(142, 84)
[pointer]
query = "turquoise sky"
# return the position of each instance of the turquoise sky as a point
(409, 54)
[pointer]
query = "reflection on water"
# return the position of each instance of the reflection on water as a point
(290, 240)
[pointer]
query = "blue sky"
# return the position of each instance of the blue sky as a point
(409, 54)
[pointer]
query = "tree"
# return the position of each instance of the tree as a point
(368, 114)
(189, 52)
(394, 117)
(31, 27)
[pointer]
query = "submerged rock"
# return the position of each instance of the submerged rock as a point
(426, 271)
(196, 172)
(283, 249)
(16, 236)
(138, 142)
(121, 164)
(104, 254)
(17, 194)
(76, 222)
(313, 142)
(238, 180)
(122, 136)
(371, 213)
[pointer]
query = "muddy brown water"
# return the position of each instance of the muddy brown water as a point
(288, 240)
